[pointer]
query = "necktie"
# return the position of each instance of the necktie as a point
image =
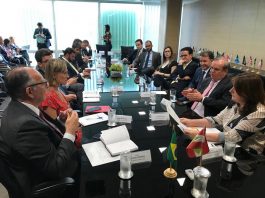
(51, 125)
(147, 60)
(203, 73)
(205, 93)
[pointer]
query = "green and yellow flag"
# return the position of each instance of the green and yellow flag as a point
(171, 155)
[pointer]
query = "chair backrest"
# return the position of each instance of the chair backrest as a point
(100, 47)
(125, 51)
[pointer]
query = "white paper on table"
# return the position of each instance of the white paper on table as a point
(98, 154)
(123, 118)
(173, 114)
(91, 94)
(91, 99)
(166, 102)
(145, 94)
(159, 92)
(93, 119)
(159, 116)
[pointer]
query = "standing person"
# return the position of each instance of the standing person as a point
(43, 36)
(107, 38)
(108, 47)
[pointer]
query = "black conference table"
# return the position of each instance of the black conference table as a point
(148, 179)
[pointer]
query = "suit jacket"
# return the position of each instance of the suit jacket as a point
(198, 78)
(132, 56)
(219, 97)
(34, 152)
(72, 72)
(47, 33)
(156, 61)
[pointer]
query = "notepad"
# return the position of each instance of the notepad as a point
(93, 119)
(117, 140)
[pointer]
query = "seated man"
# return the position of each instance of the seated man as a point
(84, 46)
(147, 62)
(34, 151)
(135, 54)
(201, 73)
(213, 95)
(81, 60)
(184, 72)
(69, 56)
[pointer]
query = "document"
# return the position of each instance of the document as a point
(91, 96)
(166, 102)
(97, 154)
(159, 116)
(117, 140)
(141, 157)
(93, 119)
(173, 114)
(145, 94)
(123, 119)
(159, 92)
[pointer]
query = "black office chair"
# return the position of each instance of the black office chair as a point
(100, 47)
(125, 51)
(46, 189)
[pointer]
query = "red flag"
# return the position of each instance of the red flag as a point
(198, 145)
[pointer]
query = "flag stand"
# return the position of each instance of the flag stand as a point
(170, 173)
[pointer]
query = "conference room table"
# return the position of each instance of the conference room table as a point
(244, 179)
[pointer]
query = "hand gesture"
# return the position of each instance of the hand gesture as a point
(71, 124)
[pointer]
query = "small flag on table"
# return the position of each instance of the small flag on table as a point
(171, 156)
(198, 145)
(260, 65)
(244, 61)
(237, 61)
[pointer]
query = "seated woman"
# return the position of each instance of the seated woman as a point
(164, 71)
(55, 101)
(243, 121)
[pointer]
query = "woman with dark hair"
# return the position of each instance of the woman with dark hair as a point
(162, 75)
(243, 120)
(107, 38)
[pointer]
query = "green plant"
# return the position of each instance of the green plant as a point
(116, 67)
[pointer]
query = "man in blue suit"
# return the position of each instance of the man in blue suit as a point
(43, 36)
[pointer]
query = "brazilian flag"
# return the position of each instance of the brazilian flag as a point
(171, 156)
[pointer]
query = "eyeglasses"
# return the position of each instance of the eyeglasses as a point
(184, 55)
(44, 82)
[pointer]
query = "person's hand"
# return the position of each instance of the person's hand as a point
(195, 96)
(85, 59)
(186, 91)
(70, 97)
(186, 78)
(157, 73)
(86, 72)
(72, 81)
(71, 123)
(124, 60)
(181, 61)
(191, 132)
(185, 121)
(63, 114)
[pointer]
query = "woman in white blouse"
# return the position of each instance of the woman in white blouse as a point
(244, 120)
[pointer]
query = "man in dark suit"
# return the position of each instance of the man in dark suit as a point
(201, 73)
(43, 36)
(135, 54)
(147, 62)
(34, 151)
(213, 95)
(184, 72)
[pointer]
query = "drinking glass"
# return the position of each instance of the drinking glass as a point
(172, 95)
(201, 176)
(152, 98)
(125, 165)
(112, 117)
(229, 151)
